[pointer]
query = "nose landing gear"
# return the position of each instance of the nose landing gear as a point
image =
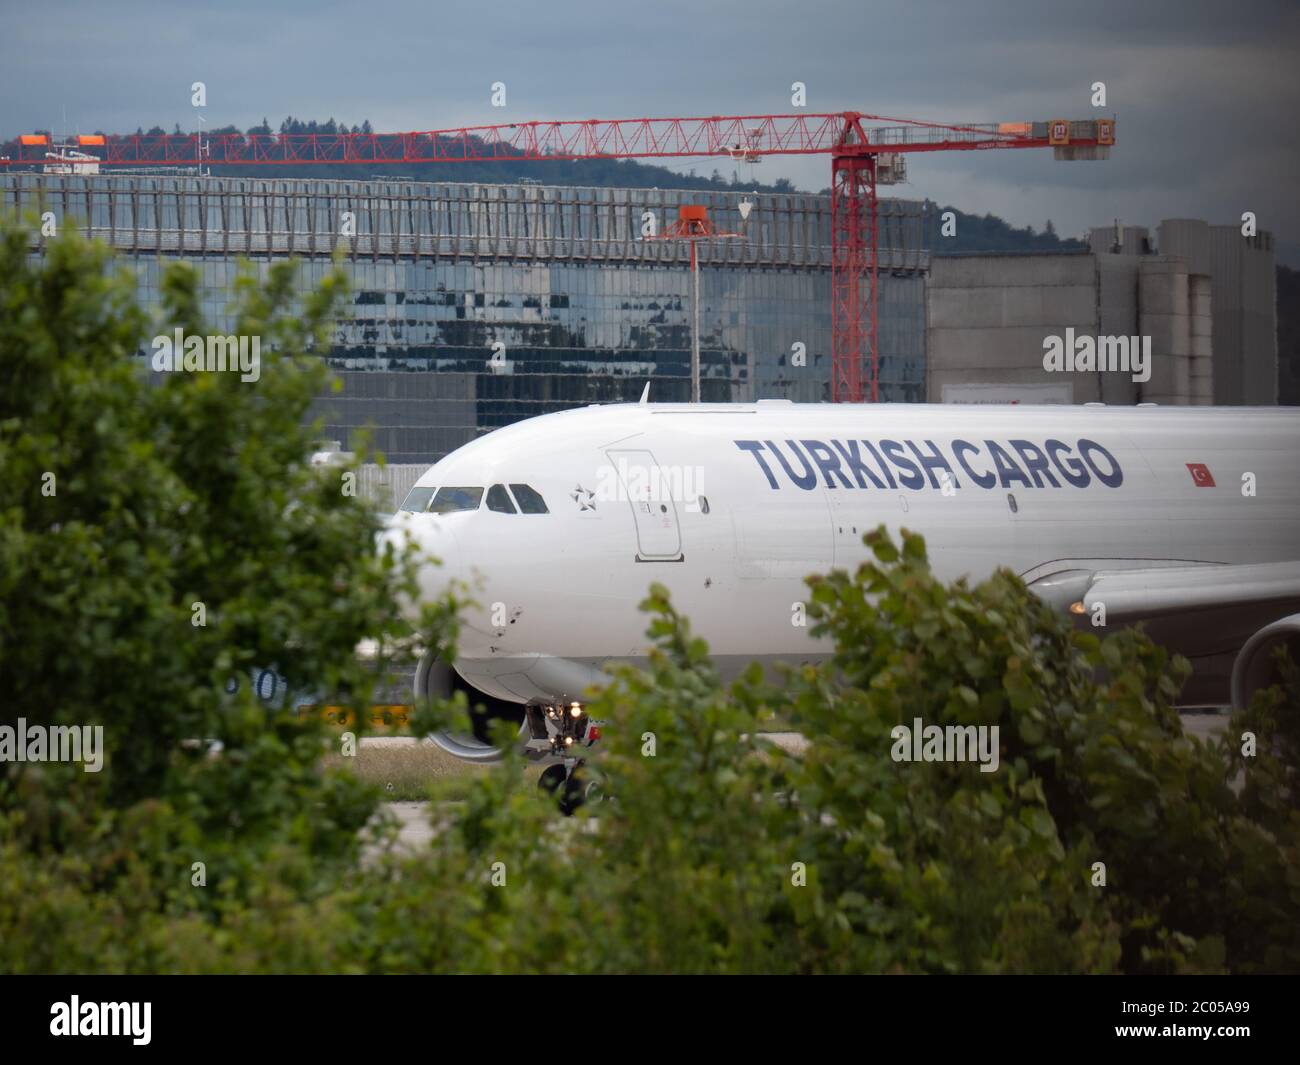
(561, 731)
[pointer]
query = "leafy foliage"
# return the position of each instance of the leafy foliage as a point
(158, 542)
(716, 852)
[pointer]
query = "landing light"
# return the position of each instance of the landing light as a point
(575, 709)
(1078, 608)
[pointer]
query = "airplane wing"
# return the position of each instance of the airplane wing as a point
(1226, 618)
(1139, 594)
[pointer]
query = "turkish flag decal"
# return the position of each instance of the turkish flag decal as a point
(1201, 475)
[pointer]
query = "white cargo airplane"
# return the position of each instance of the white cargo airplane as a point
(1187, 520)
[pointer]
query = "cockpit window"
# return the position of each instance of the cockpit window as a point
(498, 499)
(529, 499)
(450, 500)
(417, 499)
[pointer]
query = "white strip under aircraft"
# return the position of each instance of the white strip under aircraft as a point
(1184, 519)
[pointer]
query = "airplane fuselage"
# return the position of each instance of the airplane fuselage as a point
(732, 506)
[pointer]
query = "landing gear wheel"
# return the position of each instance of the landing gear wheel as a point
(551, 779)
(572, 796)
(579, 790)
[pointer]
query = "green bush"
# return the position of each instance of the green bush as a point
(122, 506)
(714, 851)
(910, 867)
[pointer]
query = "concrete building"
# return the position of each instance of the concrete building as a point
(987, 317)
(1244, 271)
(1201, 299)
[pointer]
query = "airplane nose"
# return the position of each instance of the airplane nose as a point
(434, 546)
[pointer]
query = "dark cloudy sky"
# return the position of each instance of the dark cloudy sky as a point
(1207, 94)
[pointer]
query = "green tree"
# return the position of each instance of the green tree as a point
(161, 541)
(1095, 767)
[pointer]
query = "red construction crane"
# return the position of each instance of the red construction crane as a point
(861, 155)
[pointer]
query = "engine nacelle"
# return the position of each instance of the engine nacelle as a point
(435, 678)
(1256, 667)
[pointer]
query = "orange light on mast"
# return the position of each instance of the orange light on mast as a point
(693, 225)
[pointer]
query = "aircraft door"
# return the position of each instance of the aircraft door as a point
(650, 495)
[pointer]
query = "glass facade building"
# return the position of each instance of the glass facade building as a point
(473, 306)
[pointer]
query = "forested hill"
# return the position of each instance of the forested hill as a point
(989, 233)
(605, 173)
